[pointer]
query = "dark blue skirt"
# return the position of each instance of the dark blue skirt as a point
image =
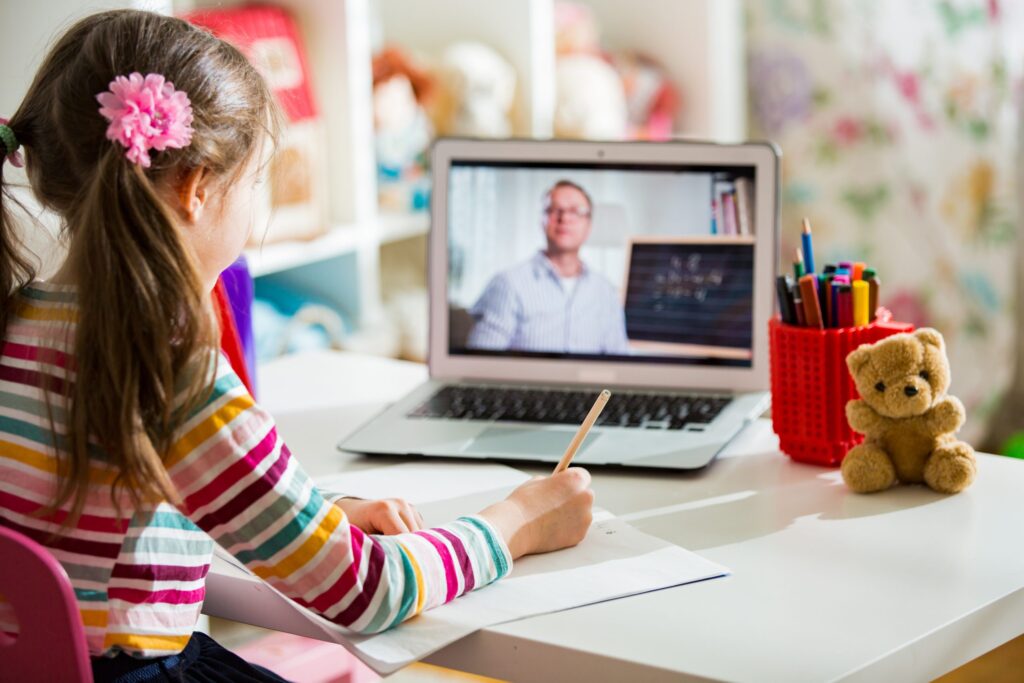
(202, 661)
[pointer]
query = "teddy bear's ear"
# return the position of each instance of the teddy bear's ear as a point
(858, 359)
(927, 335)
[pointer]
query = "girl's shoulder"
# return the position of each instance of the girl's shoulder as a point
(42, 314)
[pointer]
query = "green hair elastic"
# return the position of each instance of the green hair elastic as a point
(10, 143)
(9, 140)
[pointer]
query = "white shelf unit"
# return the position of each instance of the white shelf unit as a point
(698, 41)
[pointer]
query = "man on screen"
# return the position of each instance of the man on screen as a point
(553, 302)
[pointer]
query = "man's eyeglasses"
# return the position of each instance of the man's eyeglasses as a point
(575, 212)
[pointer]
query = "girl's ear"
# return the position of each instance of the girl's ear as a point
(193, 191)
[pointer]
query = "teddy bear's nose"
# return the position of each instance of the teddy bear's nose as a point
(910, 390)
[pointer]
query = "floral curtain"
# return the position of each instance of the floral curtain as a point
(898, 126)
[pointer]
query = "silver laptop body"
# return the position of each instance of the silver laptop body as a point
(661, 256)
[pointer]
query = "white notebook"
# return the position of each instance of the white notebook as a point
(613, 561)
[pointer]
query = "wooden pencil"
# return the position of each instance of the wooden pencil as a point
(581, 433)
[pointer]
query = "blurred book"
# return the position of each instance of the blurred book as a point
(745, 205)
(293, 205)
(724, 202)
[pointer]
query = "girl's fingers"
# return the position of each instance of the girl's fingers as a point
(391, 522)
(409, 516)
(397, 524)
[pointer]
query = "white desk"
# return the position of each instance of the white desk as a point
(827, 585)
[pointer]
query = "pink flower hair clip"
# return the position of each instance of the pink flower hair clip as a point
(146, 113)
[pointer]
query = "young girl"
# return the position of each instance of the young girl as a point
(127, 444)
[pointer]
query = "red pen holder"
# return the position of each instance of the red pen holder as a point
(811, 385)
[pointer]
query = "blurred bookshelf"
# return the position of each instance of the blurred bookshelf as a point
(698, 42)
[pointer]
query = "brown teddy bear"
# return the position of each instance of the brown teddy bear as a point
(906, 416)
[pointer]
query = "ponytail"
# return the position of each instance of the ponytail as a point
(145, 338)
(144, 325)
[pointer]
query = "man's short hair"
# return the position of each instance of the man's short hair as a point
(568, 183)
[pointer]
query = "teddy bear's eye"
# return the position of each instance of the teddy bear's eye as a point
(880, 387)
(923, 375)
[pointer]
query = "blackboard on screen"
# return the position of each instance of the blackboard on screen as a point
(697, 292)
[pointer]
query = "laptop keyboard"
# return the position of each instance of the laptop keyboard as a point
(555, 406)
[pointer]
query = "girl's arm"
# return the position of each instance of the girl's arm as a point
(239, 483)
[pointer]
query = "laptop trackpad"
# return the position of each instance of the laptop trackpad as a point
(548, 444)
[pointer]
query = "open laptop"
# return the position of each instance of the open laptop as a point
(558, 269)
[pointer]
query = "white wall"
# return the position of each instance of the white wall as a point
(29, 27)
(28, 31)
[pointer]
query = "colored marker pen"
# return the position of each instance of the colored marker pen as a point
(783, 290)
(798, 306)
(860, 303)
(823, 299)
(809, 295)
(845, 306)
(826, 303)
(835, 303)
(873, 285)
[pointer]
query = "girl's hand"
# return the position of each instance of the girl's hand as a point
(545, 513)
(386, 516)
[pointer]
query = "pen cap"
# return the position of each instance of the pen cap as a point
(811, 385)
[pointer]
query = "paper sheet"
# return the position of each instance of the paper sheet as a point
(613, 561)
(421, 483)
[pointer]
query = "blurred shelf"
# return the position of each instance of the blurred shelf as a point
(393, 227)
(731, 239)
(280, 256)
(698, 42)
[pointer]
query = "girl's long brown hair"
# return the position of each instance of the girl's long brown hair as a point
(145, 336)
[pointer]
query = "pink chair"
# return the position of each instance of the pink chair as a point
(51, 641)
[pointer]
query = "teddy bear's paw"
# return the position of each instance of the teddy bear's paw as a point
(951, 468)
(867, 468)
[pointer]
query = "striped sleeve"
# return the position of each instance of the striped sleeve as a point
(239, 484)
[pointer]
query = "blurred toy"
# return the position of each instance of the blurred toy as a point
(909, 421)
(652, 102)
(590, 102)
(286, 320)
(478, 89)
(576, 29)
(402, 130)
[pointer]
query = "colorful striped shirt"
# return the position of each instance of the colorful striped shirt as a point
(139, 579)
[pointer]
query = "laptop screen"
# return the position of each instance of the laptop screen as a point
(644, 263)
